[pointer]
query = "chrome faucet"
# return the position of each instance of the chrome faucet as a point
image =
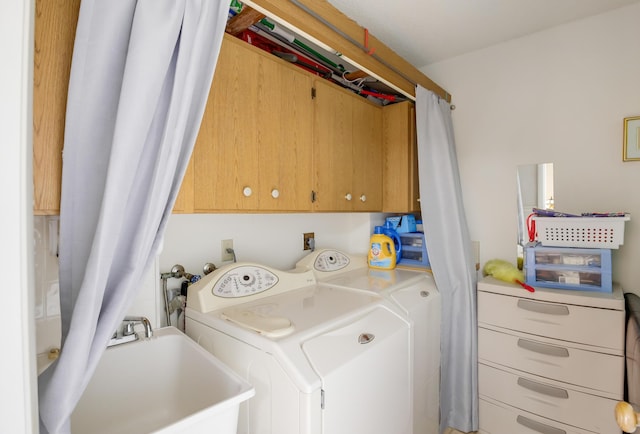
(148, 331)
(128, 334)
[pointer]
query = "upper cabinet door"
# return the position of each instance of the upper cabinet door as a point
(367, 156)
(284, 126)
(254, 147)
(332, 148)
(401, 186)
(347, 149)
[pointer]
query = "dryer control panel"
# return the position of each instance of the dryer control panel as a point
(331, 260)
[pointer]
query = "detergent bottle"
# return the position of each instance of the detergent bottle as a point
(390, 231)
(382, 252)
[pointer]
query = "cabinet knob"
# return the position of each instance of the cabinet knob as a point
(275, 193)
(348, 196)
(247, 191)
(363, 198)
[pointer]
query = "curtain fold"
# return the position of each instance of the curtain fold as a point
(451, 256)
(140, 78)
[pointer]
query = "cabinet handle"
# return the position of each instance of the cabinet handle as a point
(538, 426)
(363, 198)
(247, 191)
(537, 347)
(544, 389)
(348, 196)
(275, 193)
(546, 308)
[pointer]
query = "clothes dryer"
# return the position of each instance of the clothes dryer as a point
(418, 299)
(322, 359)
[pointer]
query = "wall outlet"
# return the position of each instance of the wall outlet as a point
(308, 241)
(224, 254)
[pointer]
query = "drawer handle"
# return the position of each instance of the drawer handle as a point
(538, 426)
(537, 347)
(534, 386)
(546, 308)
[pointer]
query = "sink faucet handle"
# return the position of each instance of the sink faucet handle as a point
(128, 329)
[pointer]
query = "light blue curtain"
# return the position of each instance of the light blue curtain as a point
(451, 256)
(140, 78)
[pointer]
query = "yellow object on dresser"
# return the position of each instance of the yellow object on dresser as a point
(549, 361)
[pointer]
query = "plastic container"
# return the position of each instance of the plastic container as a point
(402, 223)
(569, 268)
(414, 251)
(382, 252)
(389, 231)
(586, 232)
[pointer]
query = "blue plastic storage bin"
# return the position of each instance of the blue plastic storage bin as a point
(569, 268)
(403, 223)
(414, 250)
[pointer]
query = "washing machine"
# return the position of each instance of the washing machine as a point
(416, 296)
(322, 359)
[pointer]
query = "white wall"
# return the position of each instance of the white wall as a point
(18, 406)
(270, 239)
(556, 96)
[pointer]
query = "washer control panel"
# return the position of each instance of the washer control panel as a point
(244, 281)
(331, 260)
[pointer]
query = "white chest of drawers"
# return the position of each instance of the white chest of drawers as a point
(551, 361)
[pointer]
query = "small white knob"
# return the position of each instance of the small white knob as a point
(247, 191)
(363, 198)
(275, 193)
(348, 196)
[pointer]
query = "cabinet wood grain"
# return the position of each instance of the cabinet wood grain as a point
(55, 26)
(401, 190)
(253, 151)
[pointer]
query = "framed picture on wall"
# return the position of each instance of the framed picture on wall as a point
(631, 143)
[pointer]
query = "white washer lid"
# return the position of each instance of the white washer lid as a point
(270, 326)
(298, 310)
(382, 281)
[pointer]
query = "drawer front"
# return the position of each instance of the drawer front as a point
(591, 326)
(598, 371)
(498, 418)
(549, 399)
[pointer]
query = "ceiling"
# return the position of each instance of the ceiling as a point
(429, 31)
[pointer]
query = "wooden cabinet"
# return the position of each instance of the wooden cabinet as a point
(253, 150)
(347, 151)
(367, 156)
(549, 361)
(55, 28)
(264, 143)
(401, 189)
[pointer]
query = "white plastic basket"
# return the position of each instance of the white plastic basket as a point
(585, 232)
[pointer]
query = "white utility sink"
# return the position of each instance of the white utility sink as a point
(165, 384)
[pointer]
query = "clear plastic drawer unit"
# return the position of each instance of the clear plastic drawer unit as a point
(569, 268)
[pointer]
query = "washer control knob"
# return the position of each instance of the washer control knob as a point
(247, 191)
(363, 198)
(275, 193)
(348, 196)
